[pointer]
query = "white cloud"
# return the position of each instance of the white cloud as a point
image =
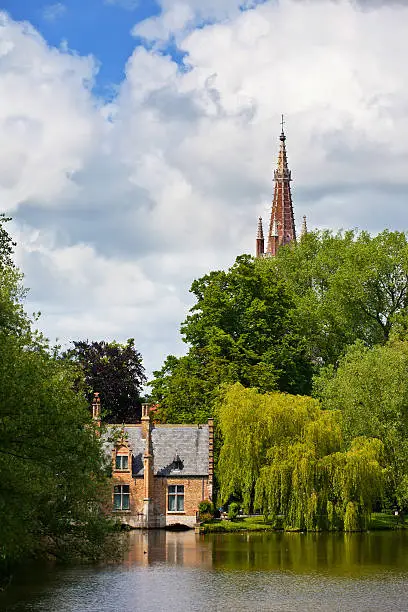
(118, 208)
(47, 118)
(52, 12)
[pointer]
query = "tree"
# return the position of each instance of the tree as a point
(185, 388)
(6, 243)
(370, 387)
(53, 479)
(241, 328)
(53, 484)
(345, 286)
(286, 456)
(116, 372)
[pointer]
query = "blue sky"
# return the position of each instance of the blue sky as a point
(96, 27)
(123, 195)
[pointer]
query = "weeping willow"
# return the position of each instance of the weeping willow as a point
(284, 455)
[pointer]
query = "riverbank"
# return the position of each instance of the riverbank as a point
(380, 521)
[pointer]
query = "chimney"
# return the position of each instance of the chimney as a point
(146, 424)
(147, 464)
(96, 410)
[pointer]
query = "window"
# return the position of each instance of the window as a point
(122, 462)
(121, 497)
(176, 498)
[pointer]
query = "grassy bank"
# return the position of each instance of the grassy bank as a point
(379, 521)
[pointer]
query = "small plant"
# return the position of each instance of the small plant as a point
(206, 510)
(233, 511)
(206, 506)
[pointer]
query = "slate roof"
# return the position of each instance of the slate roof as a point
(189, 442)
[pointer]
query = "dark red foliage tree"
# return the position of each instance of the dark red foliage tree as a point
(114, 370)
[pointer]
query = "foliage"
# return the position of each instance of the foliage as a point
(53, 487)
(6, 244)
(253, 523)
(346, 286)
(370, 387)
(233, 510)
(206, 506)
(241, 328)
(116, 372)
(53, 483)
(185, 388)
(295, 463)
(206, 510)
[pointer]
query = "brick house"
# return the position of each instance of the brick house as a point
(160, 472)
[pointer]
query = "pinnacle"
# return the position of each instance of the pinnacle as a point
(260, 234)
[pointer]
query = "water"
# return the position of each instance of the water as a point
(188, 572)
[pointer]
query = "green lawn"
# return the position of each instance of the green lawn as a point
(254, 523)
(379, 521)
(383, 520)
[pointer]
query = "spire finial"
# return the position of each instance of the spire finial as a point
(282, 136)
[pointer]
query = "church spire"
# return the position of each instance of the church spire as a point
(260, 242)
(282, 225)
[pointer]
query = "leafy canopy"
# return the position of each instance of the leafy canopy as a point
(346, 286)
(53, 485)
(370, 387)
(286, 456)
(114, 370)
(241, 328)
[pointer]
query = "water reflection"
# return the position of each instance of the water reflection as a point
(159, 546)
(338, 554)
(188, 572)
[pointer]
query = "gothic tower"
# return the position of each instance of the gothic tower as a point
(282, 224)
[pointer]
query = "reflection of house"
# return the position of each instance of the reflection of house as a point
(161, 472)
(152, 546)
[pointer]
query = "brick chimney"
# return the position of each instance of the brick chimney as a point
(147, 464)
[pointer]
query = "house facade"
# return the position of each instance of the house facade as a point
(160, 472)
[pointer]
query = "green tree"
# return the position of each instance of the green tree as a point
(286, 456)
(346, 286)
(6, 243)
(370, 387)
(53, 480)
(114, 370)
(241, 328)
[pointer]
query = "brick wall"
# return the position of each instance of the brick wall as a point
(196, 489)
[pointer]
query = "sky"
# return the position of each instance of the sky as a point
(139, 138)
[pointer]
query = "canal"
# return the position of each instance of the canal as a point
(190, 572)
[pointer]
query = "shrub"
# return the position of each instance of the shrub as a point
(206, 510)
(233, 510)
(206, 507)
